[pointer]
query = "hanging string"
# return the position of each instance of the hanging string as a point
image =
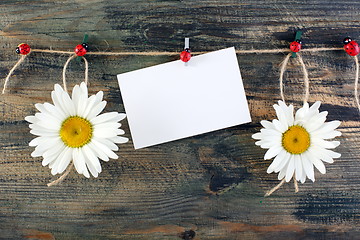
(296, 185)
(305, 73)
(66, 65)
(306, 79)
(282, 70)
(22, 58)
(268, 193)
(258, 51)
(70, 167)
(62, 177)
(280, 50)
(356, 84)
(306, 98)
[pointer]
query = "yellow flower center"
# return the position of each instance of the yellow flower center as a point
(76, 131)
(296, 140)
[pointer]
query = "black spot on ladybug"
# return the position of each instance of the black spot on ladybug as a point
(85, 46)
(347, 40)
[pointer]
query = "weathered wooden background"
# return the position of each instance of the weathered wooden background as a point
(211, 185)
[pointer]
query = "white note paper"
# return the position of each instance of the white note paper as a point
(172, 101)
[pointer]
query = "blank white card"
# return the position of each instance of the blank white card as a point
(172, 101)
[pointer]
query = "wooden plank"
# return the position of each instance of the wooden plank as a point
(211, 185)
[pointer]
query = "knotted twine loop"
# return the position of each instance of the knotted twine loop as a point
(306, 97)
(70, 167)
(356, 84)
(22, 58)
(305, 72)
(66, 65)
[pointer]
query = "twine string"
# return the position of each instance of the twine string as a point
(249, 51)
(70, 167)
(62, 177)
(281, 79)
(306, 77)
(268, 193)
(22, 58)
(356, 84)
(296, 185)
(258, 51)
(66, 65)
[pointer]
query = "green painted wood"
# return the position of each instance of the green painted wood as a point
(209, 185)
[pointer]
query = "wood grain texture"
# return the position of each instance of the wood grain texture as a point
(204, 187)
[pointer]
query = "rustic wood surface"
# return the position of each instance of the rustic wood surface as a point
(205, 187)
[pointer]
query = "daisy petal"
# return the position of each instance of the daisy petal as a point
(35, 141)
(267, 124)
(90, 105)
(308, 167)
(97, 108)
(289, 112)
(303, 177)
(290, 169)
(119, 139)
(320, 143)
(76, 160)
(92, 161)
(84, 89)
(317, 163)
(99, 153)
(51, 154)
(280, 160)
(272, 152)
(68, 104)
(316, 121)
(315, 106)
(56, 96)
(281, 115)
(90, 164)
(31, 119)
(105, 117)
(280, 126)
(55, 166)
(105, 149)
(54, 111)
(104, 133)
(298, 167)
(108, 125)
(54, 150)
(76, 97)
(64, 162)
(327, 127)
(81, 163)
(282, 172)
(257, 136)
(40, 149)
(266, 144)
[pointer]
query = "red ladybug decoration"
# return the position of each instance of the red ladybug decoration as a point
(23, 49)
(81, 49)
(351, 47)
(185, 55)
(295, 46)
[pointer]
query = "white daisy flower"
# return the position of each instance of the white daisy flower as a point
(72, 129)
(298, 143)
